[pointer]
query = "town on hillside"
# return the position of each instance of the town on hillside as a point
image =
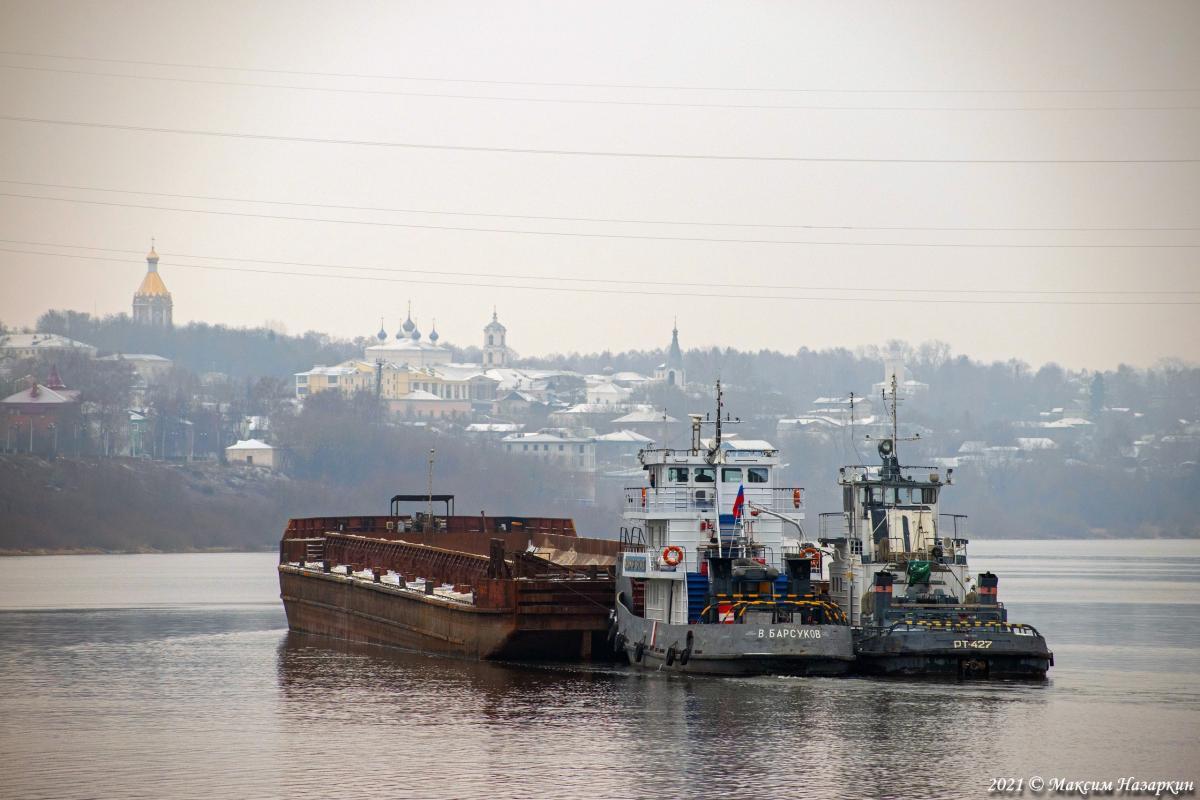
(68, 397)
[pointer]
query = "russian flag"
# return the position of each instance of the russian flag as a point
(740, 503)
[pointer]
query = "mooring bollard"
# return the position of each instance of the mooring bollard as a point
(378, 575)
(326, 566)
(429, 584)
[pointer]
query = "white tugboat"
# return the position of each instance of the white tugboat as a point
(715, 576)
(920, 612)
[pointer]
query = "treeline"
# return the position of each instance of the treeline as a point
(203, 348)
(964, 392)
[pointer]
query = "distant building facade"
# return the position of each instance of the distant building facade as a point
(32, 345)
(495, 346)
(152, 303)
(670, 371)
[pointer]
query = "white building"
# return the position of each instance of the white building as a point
(495, 346)
(32, 345)
(252, 453)
(571, 453)
(608, 394)
(906, 386)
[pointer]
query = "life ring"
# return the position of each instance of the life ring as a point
(796, 498)
(671, 556)
(814, 555)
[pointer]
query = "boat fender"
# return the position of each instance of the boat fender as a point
(671, 556)
(619, 643)
(686, 655)
(796, 498)
(670, 655)
(638, 651)
(612, 633)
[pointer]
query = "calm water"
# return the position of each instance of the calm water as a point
(175, 676)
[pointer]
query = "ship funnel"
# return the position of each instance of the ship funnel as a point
(987, 588)
(882, 591)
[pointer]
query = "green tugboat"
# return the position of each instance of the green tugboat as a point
(920, 611)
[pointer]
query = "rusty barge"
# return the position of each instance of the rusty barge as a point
(480, 587)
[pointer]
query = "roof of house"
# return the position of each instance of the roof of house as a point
(625, 436)
(134, 357)
(50, 341)
(644, 415)
(250, 444)
(43, 395)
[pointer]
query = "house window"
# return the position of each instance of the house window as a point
(301, 379)
(332, 380)
(756, 475)
(731, 475)
(581, 448)
(524, 447)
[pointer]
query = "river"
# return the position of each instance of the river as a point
(174, 676)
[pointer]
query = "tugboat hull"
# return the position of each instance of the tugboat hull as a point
(739, 649)
(1003, 652)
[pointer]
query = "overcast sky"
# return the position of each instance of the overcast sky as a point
(687, 78)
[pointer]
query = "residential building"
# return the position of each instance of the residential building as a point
(34, 345)
(556, 446)
(40, 418)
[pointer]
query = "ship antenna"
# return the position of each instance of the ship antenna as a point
(895, 403)
(853, 441)
(720, 405)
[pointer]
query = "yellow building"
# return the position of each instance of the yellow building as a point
(441, 391)
(348, 377)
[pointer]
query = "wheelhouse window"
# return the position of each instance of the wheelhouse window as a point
(731, 474)
(705, 475)
(677, 474)
(756, 474)
(925, 495)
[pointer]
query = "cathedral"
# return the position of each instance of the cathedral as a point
(152, 301)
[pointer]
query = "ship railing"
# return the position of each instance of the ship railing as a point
(874, 472)
(834, 525)
(958, 522)
(666, 499)
(695, 561)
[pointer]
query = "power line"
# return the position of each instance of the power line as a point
(625, 292)
(593, 235)
(588, 153)
(579, 85)
(587, 101)
(609, 280)
(609, 220)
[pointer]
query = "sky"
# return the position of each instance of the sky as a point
(1020, 180)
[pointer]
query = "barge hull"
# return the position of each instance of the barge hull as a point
(356, 610)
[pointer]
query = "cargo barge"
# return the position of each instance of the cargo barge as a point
(480, 587)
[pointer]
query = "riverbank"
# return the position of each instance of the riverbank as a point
(89, 506)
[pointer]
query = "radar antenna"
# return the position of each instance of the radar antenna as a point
(889, 445)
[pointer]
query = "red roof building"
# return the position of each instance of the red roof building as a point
(35, 418)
